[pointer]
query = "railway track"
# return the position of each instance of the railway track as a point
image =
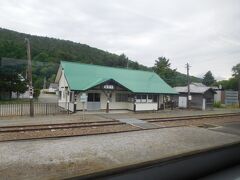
(39, 127)
(189, 117)
(91, 125)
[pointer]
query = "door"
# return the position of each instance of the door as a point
(93, 103)
(182, 102)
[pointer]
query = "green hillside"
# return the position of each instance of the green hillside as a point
(47, 52)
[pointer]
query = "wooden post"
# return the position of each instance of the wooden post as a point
(188, 86)
(30, 77)
(83, 114)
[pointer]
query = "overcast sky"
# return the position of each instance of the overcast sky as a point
(205, 33)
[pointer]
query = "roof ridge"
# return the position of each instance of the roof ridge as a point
(106, 66)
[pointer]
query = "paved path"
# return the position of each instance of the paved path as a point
(68, 157)
(231, 128)
(48, 98)
(138, 123)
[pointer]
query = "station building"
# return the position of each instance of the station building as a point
(109, 88)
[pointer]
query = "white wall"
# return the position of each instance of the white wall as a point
(62, 84)
(217, 96)
(21, 96)
(67, 105)
(204, 104)
(146, 106)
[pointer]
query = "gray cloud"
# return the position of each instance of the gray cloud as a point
(204, 33)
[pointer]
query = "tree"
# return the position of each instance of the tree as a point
(208, 79)
(162, 67)
(123, 60)
(12, 81)
(236, 75)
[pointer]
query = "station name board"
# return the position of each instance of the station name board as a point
(108, 86)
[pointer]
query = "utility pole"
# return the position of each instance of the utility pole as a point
(188, 86)
(30, 77)
(44, 83)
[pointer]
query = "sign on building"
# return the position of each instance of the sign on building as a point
(106, 86)
(83, 98)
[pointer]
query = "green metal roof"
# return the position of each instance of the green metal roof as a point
(84, 76)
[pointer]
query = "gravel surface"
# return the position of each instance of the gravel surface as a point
(66, 132)
(51, 119)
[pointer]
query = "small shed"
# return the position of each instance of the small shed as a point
(53, 87)
(202, 97)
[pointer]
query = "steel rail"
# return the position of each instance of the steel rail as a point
(189, 117)
(51, 127)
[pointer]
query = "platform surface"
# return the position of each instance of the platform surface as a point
(75, 156)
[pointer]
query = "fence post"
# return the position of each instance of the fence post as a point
(21, 109)
(46, 108)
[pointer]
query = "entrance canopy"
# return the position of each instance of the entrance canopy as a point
(82, 77)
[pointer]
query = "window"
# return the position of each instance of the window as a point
(93, 97)
(121, 97)
(97, 97)
(138, 98)
(150, 98)
(70, 96)
(60, 94)
(155, 98)
(143, 98)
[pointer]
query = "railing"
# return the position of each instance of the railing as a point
(23, 109)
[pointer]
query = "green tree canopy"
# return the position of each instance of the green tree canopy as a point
(232, 83)
(162, 67)
(208, 79)
(236, 70)
(12, 80)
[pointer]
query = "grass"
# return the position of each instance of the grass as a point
(217, 104)
(15, 101)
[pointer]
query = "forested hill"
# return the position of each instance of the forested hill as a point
(47, 52)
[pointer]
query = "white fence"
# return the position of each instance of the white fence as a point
(22, 109)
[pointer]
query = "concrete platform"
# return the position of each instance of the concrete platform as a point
(68, 157)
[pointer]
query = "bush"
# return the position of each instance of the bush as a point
(36, 93)
(217, 104)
